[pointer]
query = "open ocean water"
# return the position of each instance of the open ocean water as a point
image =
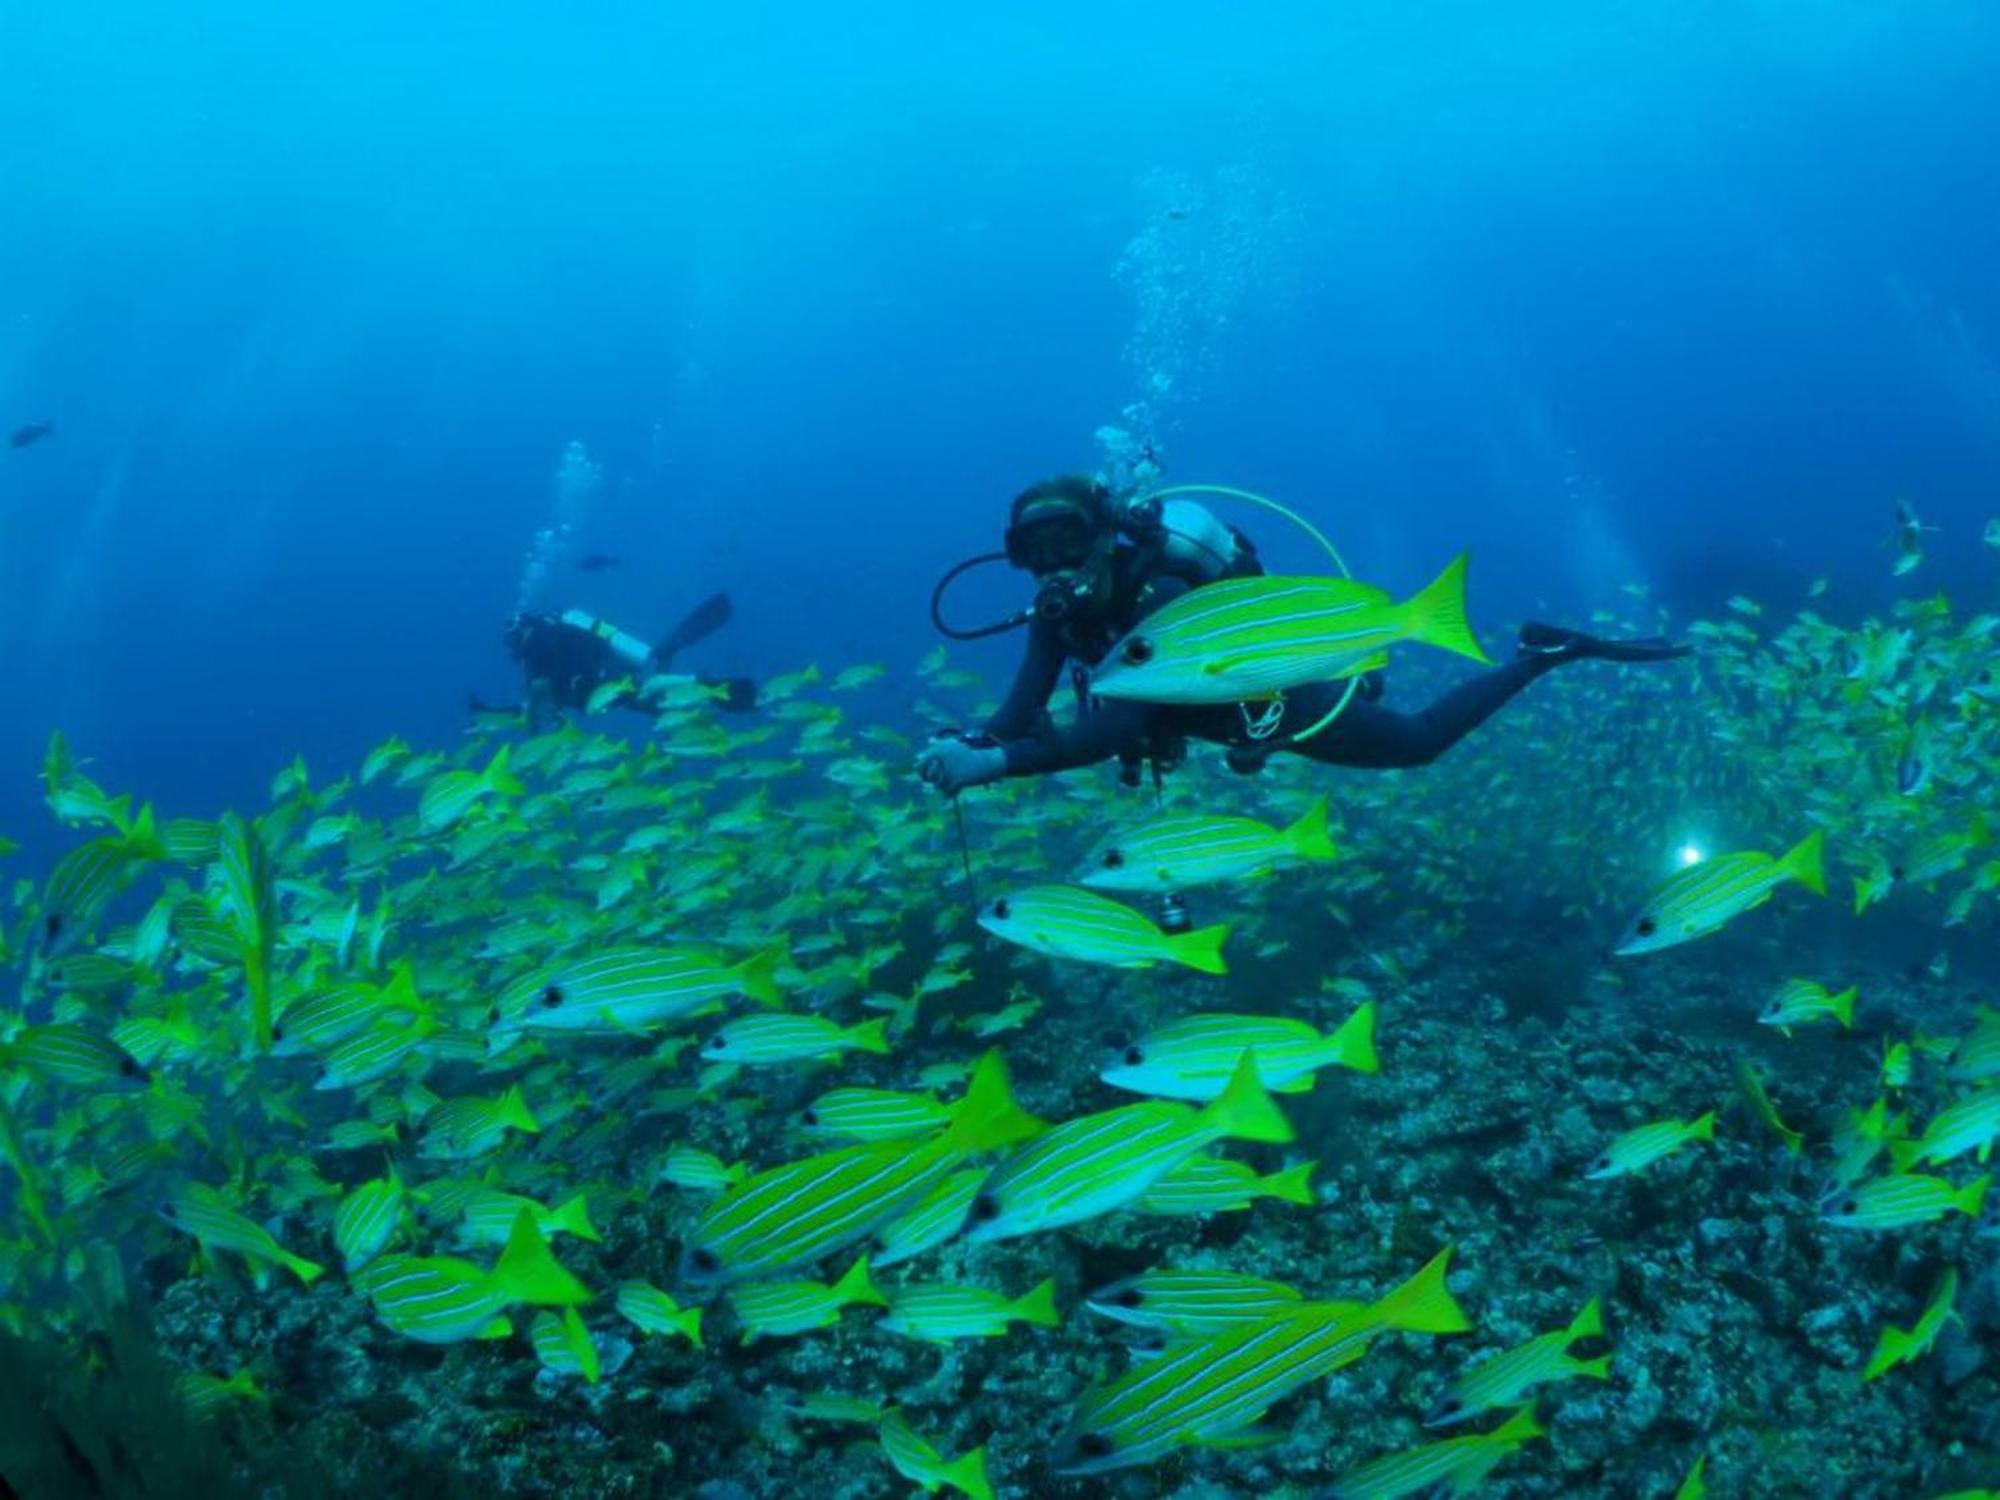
(1445, 938)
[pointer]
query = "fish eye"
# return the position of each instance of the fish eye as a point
(809, 1119)
(1134, 1057)
(1094, 1445)
(552, 997)
(53, 924)
(985, 1207)
(1130, 1297)
(717, 1042)
(1138, 651)
(166, 1209)
(1602, 1164)
(1647, 927)
(1849, 1204)
(704, 1261)
(1114, 859)
(1895, 872)
(278, 1030)
(1001, 910)
(128, 1067)
(1449, 1407)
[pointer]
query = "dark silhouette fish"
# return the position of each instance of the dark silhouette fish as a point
(33, 433)
(596, 562)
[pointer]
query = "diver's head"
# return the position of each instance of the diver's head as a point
(1064, 531)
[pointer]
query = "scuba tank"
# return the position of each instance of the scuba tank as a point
(634, 652)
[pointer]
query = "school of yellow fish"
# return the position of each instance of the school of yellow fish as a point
(360, 1044)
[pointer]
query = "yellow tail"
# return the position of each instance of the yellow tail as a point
(968, 1476)
(527, 1272)
(1038, 1306)
(987, 1118)
(1308, 838)
(1842, 1005)
(756, 976)
(1200, 949)
(573, 1217)
(1243, 1111)
(871, 1036)
(1436, 615)
(1293, 1185)
(1802, 863)
(1353, 1045)
(1423, 1304)
(856, 1287)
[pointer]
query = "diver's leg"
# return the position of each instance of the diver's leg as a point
(1367, 734)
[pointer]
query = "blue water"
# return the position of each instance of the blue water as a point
(317, 297)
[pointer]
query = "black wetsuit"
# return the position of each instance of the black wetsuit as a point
(565, 664)
(1365, 734)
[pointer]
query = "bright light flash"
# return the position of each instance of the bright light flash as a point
(1690, 854)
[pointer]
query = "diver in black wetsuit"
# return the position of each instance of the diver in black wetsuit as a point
(1102, 568)
(567, 657)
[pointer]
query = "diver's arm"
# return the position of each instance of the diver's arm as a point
(1027, 700)
(1110, 727)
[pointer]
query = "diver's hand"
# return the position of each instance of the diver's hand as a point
(951, 763)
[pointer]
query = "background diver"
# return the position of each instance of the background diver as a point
(565, 658)
(1101, 566)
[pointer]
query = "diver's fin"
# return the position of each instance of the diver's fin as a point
(1538, 639)
(702, 622)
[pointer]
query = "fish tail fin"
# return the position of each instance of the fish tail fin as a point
(514, 1110)
(306, 1270)
(856, 1287)
(1892, 1347)
(1293, 1185)
(1904, 1155)
(757, 975)
(527, 1272)
(1037, 1306)
(871, 1036)
(968, 1475)
(498, 778)
(1308, 837)
(573, 1217)
(1842, 1005)
(1968, 1198)
(142, 840)
(496, 1327)
(1424, 1304)
(1353, 1045)
(1200, 949)
(987, 1117)
(688, 1321)
(1588, 1324)
(1803, 862)
(1436, 614)
(1592, 1369)
(1243, 1111)
(1518, 1428)
(1703, 1128)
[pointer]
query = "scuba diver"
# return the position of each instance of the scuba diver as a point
(568, 657)
(1101, 566)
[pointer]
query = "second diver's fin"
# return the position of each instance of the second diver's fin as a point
(702, 622)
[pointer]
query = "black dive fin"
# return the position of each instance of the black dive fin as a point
(702, 622)
(1538, 639)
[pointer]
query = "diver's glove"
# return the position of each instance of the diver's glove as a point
(953, 761)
